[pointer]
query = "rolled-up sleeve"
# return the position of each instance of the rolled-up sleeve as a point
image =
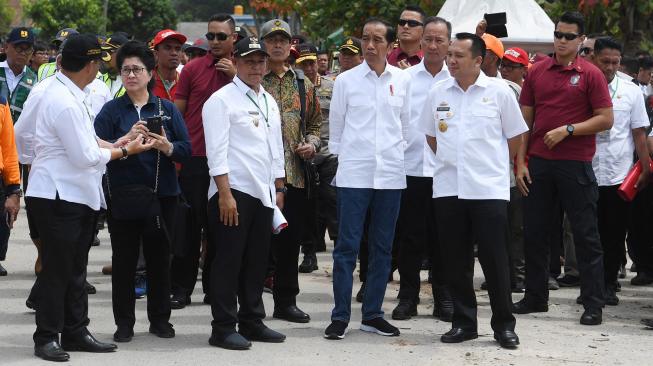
(215, 118)
(337, 110)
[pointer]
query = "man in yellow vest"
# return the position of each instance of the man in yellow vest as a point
(50, 68)
(111, 76)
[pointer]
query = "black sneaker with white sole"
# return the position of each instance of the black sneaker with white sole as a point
(379, 326)
(336, 330)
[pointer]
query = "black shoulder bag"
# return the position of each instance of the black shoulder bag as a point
(136, 201)
(311, 174)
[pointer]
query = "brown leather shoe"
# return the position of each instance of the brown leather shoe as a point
(107, 270)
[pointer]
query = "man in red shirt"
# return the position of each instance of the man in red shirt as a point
(167, 47)
(565, 101)
(198, 80)
(408, 52)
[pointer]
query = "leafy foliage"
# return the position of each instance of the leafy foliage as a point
(52, 15)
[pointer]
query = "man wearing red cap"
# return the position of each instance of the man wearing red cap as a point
(514, 65)
(167, 48)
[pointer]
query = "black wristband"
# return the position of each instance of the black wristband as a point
(283, 190)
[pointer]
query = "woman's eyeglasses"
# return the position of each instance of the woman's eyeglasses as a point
(136, 70)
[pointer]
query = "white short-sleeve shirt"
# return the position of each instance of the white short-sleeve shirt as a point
(472, 129)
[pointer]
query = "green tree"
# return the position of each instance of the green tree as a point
(140, 18)
(52, 15)
(201, 10)
(6, 15)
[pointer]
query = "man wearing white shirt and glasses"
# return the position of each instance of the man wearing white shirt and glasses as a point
(244, 148)
(369, 117)
(613, 159)
(65, 194)
(415, 229)
(473, 125)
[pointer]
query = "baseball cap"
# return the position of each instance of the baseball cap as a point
(241, 32)
(275, 26)
(199, 44)
(82, 47)
(306, 51)
(248, 46)
(63, 34)
(352, 44)
(493, 44)
(517, 55)
(114, 41)
(20, 35)
(168, 34)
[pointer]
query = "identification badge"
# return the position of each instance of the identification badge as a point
(443, 109)
(442, 126)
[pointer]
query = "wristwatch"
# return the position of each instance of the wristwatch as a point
(18, 192)
(124, 153)
(283, 190)
(570, 129)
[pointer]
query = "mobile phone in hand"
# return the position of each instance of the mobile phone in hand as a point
(154, 124)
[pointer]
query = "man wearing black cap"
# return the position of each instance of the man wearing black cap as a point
(301, 139)
(350, 54)
(245, 155)
(322, 211)
(65, 194)
(111, 76)
(50, 68)
(16, 79)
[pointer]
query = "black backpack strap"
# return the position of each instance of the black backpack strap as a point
(301, 85)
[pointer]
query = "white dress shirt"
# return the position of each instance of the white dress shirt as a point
(472, 129)
(240, 143)
(12, 80)
(418, 155)
(68, 159)
(26, 124)
(615, 147)
(368, 122)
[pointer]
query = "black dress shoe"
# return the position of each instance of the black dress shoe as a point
(262, 334)
(507, 339)
(51, 352)
(292, 314)
(123, 334)
(524, 306)
(647, 322)
(579, 300)
(457, 335)
(90, 289)
(309, 264)
(162, 330)
(86, 343)
(592, 317)
(179, 301)
(361, 293)
(405, 310)
(233, 341)
(642, 279)
(3, 271)
(31, 304)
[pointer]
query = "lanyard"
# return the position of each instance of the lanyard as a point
(267, 111)
(73, 94)
(168, 85)
(616, 87)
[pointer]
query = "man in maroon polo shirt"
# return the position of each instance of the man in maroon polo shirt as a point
(199, 79)
(565, 101)
(407, 51)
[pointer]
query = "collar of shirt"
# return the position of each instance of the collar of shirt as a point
(152, 99)
(365, 70)
(613, 85)
(5, 64)
(482, 81)
(290, 71)
(421, 68)
(79, 94)
(575, 64)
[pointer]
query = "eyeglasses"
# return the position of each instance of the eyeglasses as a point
(219, 36)
(41, 53)
(411, 23)
(24, 50)
(136, 70)
(567, 36)
(586, 51)
(510, 67)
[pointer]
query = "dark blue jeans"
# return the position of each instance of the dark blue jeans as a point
(353, 204)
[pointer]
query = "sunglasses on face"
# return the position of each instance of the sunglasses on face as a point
(411, 23)
(219, 36)
(567, 36)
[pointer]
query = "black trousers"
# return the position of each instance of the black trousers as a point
(573, 184)
(460, 223)
(4, 228)
(322, 209)
(240, 263)
(285, 248)
(417, 233)
(194, 182)
(516, 236)
(640, 244)
(67, 231)
(126, 240)
(613, 223)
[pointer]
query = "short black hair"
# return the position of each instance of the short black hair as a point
(646, 62)
(438, 20)
(630, 64)
(641, 53)
(74, 64)
(390, 32)
(40, 46)
(140, 50)
(596, 35)
(416, 9)
(573, 17)
(222, 18)
(603, 43)
(323, 52)
(478, 44)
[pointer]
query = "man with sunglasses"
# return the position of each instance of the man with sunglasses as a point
(198, 80)
(407, 51)
(565, 101)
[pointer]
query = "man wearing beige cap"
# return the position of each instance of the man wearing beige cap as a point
(350, 54)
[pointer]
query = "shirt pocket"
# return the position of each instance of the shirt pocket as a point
(485, 123)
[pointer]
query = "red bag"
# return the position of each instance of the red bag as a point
(627, 190)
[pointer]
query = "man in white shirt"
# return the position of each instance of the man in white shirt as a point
(415, 230)
(16, 79)
(244, 148)
(613, 159)
(473, 125)
(65, 193)
(368, 120)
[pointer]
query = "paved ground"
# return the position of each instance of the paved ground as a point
(551, 338)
